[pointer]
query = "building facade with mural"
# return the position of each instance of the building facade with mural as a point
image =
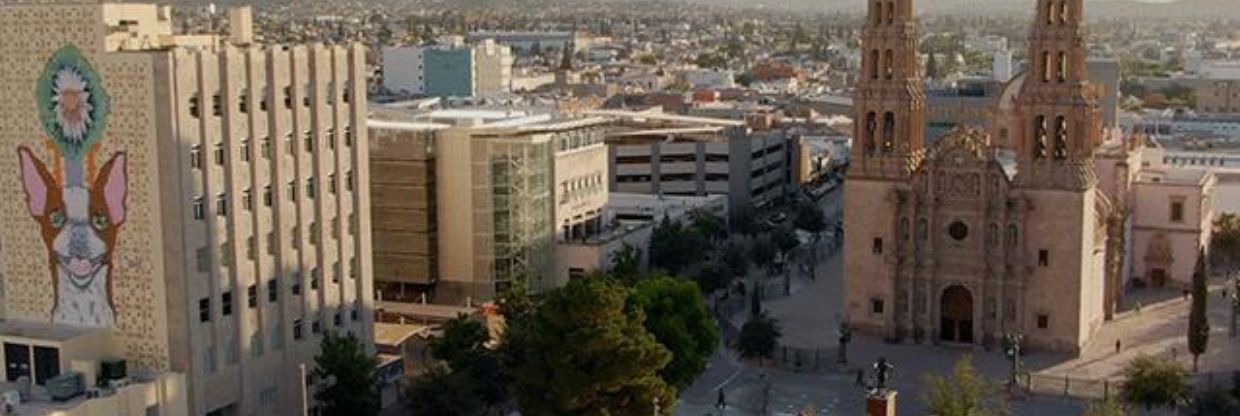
(187, 203)
(1023, 217)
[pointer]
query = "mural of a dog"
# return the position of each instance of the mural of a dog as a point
(79, 227)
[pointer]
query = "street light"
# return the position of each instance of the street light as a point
(656, 406)
(1011, 348)
(845, 333)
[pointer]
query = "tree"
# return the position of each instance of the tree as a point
(809, 217)
(786, 240)
(683, 325)
(1198, 321)
(440, 392)
(1214, 401)
(759, 337)
(735, 257)
(745, 79)
(712, 276)
(1153, 381)
(348, 373)
(627, 263)
(709, 225)
(585, 348)
(514, 301)
(964, 393)
(932, 67)
(762, 252)
(1106, 407)
(674, 246)
(1225, 243)
(463, 348)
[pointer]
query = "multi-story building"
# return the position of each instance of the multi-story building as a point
(189, 204)
(469, 200)
(451, 70)
(661, 154)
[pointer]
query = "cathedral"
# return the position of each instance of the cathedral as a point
(1018, 224)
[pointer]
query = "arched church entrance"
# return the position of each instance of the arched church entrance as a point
(956, 315)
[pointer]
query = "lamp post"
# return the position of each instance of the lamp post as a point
(845, 337)
(305, 396)
(1011, 348)
(656, 406)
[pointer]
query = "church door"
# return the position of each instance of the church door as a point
(1158, 277)
(956, 311)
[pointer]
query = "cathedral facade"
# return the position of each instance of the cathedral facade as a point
(990, 229)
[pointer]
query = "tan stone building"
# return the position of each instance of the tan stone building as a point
(470, 200)
(192, 200)
(969, 238)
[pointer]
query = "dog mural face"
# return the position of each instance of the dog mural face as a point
(79, 227)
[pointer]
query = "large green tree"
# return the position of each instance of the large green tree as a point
(585, 349)
(1198, 319)
(463, 347)
(964, 393)
(809, 217)
(1154, 381)
(674, 246)
(348, 375)
(1225, 241)
(679, 320)
(441, 392)
(759, 337)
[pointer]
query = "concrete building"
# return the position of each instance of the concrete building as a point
(470, 200)
(660, 154)
(186, 203)
(450, 70)
(526, 41)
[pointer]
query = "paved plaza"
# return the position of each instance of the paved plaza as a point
(808, 317)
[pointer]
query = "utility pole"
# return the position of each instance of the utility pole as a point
(305, 393)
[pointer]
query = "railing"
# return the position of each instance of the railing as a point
(1086, 388)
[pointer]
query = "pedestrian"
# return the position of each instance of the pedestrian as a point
(1117, 346)
(860, 378)
(722, 403)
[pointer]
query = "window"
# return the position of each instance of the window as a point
(878, 246)
(310, 188)
(331, 183)
(219, 154)
(1044, 258)
(292, 190)
(1177, 211)
(226, 303)
(221, 204)
(247, 199)
(309, 142)
(353, 313)
(195, 157)
(316, 327)
(200, 209)
(243, 101)
(203, 258)
(216, 109)
(267, 199)
(348, 136)
(194, 111)
(288, 97)
(348, 180)
(245, 150)
(297, 324)
(958, 231)
(876, 306)
(336, 319)
(314, 278)
(273, 291)
(296, 283)
(1044, 321)
(204, 310)
(266, 148)
(251, 296)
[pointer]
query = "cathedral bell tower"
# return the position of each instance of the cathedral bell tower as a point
(889, 128)
(1060, 119)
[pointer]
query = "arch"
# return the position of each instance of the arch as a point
(1050, 12)
(1061, 137)
(876, 12)
(922, 229)
(1063, 12)
(891, 12)
(1061, 72)
(904, 229)
(1158, 260)
(889, 59)
(874, 64)
(1039, 137)
(889, 131)
(956, 315)
(1013, 235)
(992, 234)
(871, 125)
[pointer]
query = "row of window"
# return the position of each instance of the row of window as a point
(878, 307)
(226, 301)
(197, 156)
(1044, 257)
(199, 208)
(195, 103)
